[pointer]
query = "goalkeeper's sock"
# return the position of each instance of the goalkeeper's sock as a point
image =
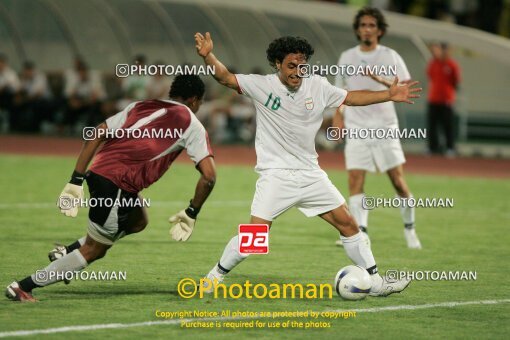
(27, 284)
(231, 256)
(55, 271)
(358, 250)
(76, 245)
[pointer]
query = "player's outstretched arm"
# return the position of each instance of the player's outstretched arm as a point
(396, 93)
(184, 221)
(206, 181)
(204, 46)
(74, 189)
(381, 80)
(385, 81)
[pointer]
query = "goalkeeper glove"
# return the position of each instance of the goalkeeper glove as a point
(184, 222)
(73, 192)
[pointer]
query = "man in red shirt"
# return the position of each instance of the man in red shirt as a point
(138, 146)
(444, 77)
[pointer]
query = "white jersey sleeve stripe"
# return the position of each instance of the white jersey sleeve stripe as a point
(117, 120)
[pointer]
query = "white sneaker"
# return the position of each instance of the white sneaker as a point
(339, 242)
(212, 280)
(412, 239)
(390, 286)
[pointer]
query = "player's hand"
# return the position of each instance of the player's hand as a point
(183, 226)
(404, 92)
(204, 45)
(67, 200)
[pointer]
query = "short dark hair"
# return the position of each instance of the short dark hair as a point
(373, 12)
(281, 47)
(187, 86)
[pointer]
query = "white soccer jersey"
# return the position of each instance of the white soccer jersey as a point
(287, 122)
(382, 115)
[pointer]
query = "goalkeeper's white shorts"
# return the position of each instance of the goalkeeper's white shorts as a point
(278, 190)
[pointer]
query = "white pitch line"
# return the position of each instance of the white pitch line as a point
(178, 321)
(45, 205)
(425, 306)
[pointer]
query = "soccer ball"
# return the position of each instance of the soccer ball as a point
(353, 283)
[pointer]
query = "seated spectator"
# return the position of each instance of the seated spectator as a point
(9, 84)
(83, 99)
(32, 103)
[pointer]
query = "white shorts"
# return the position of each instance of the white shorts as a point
(278, 190)
(382, 156)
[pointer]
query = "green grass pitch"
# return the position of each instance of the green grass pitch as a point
(471, 236)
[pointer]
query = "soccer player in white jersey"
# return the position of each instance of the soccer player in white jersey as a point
(289, 113)
(362, 155)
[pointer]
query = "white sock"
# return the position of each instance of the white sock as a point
(231, 257)
(82, 240)
(72, 262)
(407, 215)
(359, 252)
(357, 211)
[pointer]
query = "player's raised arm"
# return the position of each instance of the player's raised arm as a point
(204, 46)
(396, 93)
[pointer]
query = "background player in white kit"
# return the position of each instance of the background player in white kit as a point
(362, 155)
(289, 114)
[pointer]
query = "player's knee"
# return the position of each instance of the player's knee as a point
(100, 253)
(138, 225)
(92, 254)
(93, 251)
